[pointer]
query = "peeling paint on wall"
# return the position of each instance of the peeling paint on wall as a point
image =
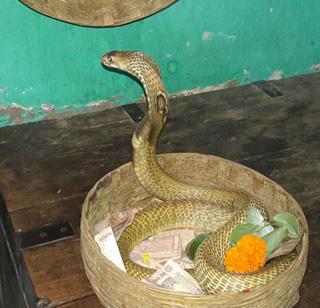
(276, 75)
(102, 104)
(230, 37)
(206, 35)
(315, 67)
(48, 108)
(17, 114)
(225, 85)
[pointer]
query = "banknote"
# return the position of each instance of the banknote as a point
(154, 251)
(186, 235)
(157, 249)
(118, 221)
(169, 244)
(174, 277)
(109, 248)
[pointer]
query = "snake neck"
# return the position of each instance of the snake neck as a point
(149, 129)
(145, 139)
(147, 134)
(150, 174)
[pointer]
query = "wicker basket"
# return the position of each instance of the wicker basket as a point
(98, 13)
(120, 190)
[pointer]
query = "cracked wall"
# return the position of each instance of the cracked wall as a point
(49, 68)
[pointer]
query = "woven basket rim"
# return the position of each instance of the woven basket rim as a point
(134, 283)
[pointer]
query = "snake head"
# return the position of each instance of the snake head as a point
(135, 63)
(116, 59)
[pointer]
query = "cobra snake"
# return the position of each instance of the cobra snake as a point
(185, 205)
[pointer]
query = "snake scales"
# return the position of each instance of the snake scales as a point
(215, 210)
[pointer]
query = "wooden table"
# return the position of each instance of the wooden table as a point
(47, 168)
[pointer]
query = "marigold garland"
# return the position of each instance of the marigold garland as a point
(248, 256)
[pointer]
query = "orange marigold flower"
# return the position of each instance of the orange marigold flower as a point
(248, 256)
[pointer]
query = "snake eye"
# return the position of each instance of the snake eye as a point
(110, 59)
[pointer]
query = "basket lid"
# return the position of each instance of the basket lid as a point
(97, 13)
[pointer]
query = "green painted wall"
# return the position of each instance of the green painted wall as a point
(47, 64)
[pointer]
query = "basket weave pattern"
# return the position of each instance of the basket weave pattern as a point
(120, 190)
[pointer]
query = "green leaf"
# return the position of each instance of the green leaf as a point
(289, 221)
(285, 248)
(241, 230)
(255, 217)
(192, 246)
(275, 238)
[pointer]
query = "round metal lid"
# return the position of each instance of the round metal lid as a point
(98, 13)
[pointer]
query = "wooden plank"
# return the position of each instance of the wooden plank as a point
(65, 210)
(59, 158)
(57, 272)
(297, 169)
(242, 122)
(299, 85)
(9, 278)
(88, 302)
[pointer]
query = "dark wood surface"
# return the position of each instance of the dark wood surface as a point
(8, 278)
(47, 167)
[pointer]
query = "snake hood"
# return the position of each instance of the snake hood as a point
(147, 71)
(131, 62)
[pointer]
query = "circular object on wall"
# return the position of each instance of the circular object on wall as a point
(98, 13)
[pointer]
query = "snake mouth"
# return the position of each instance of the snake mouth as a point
(108, 64)
(107, 60)
(113, 59)
(111, 65)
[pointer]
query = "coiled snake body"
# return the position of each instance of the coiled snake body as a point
(216, 210)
